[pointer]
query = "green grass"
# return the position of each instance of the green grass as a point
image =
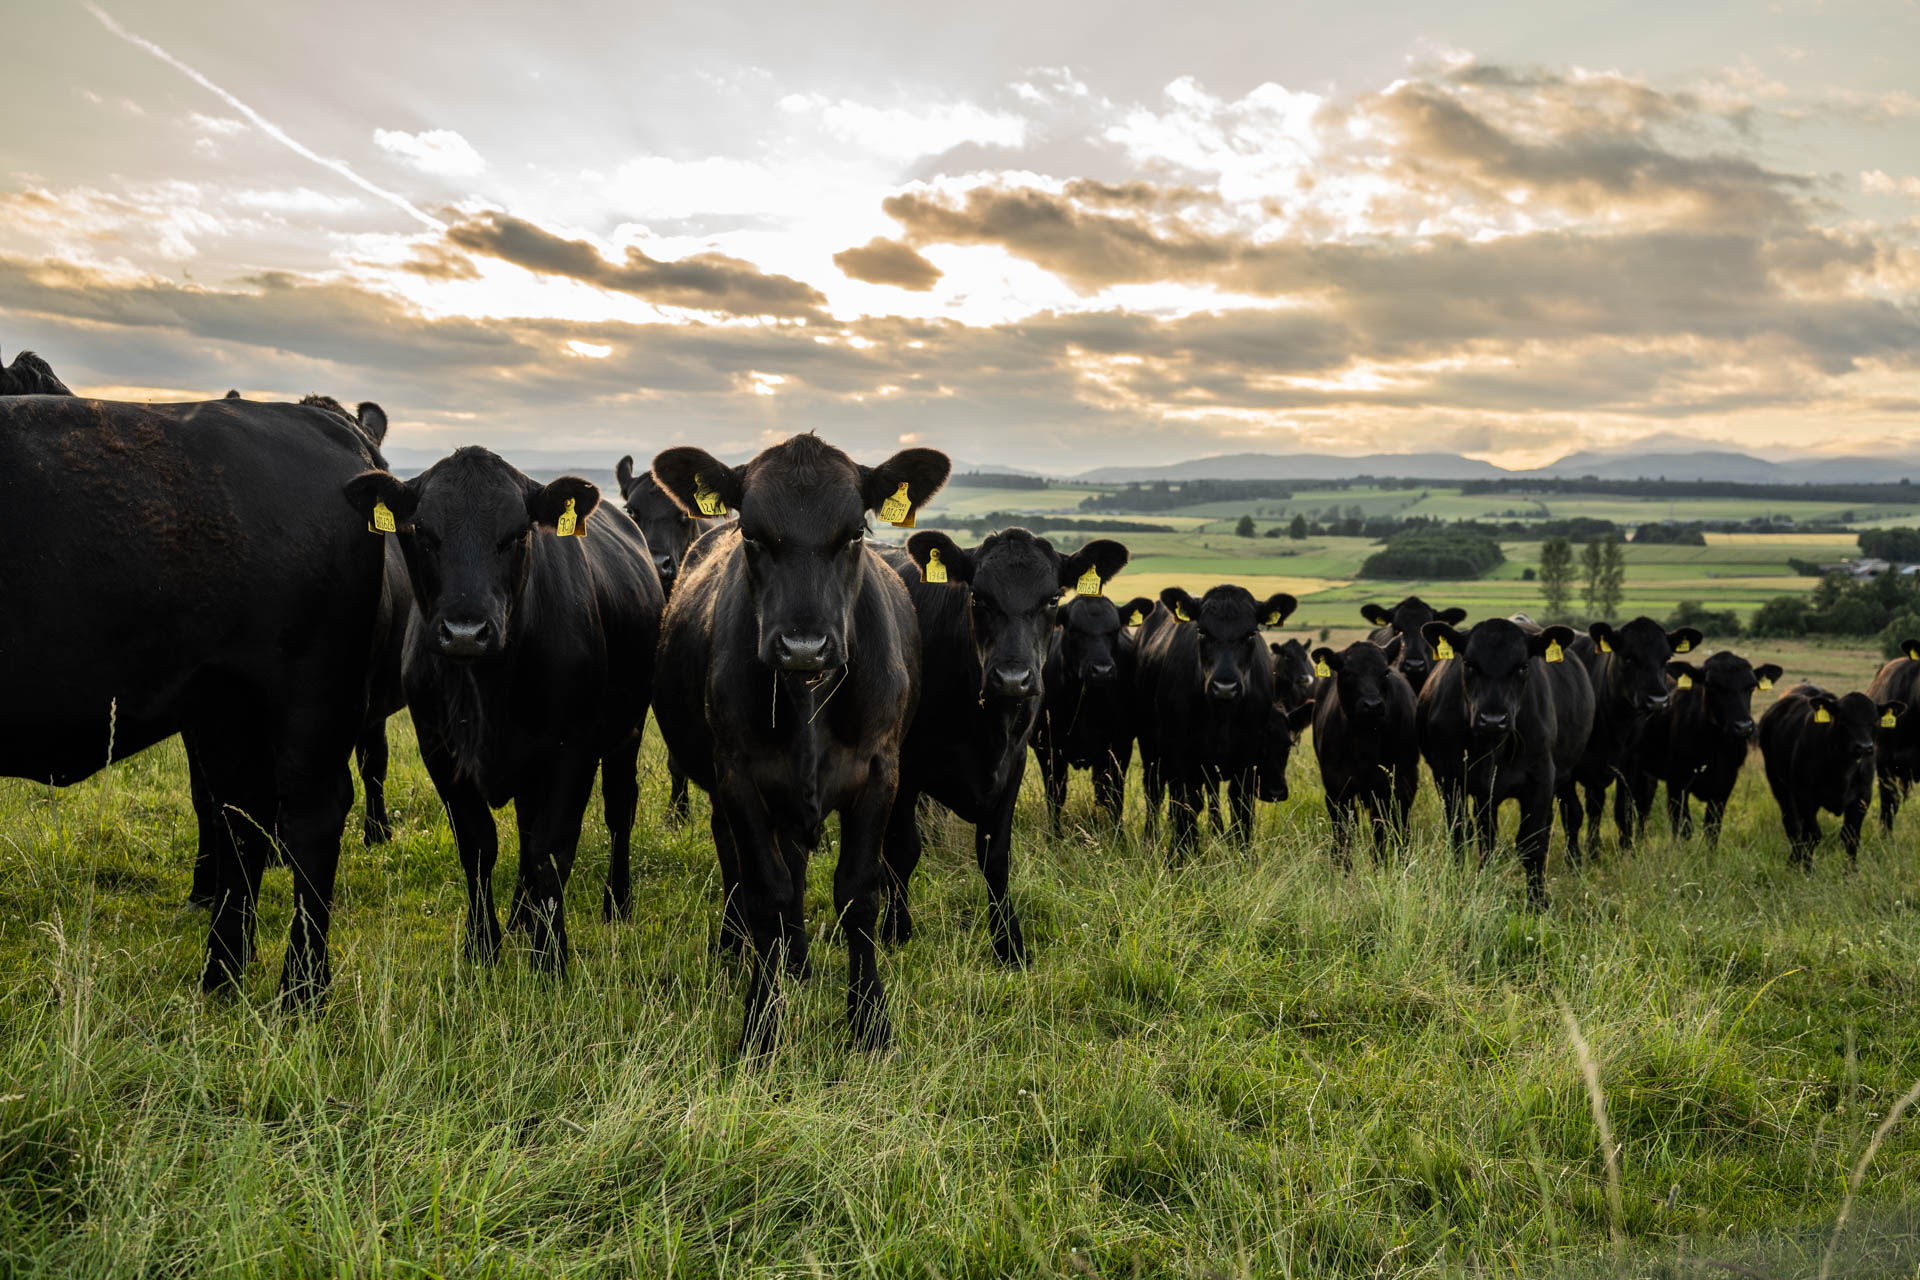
(1255, 1065)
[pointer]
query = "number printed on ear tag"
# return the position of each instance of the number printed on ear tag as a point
(564, 526)
(1442, 650)
(935, 571)
(706, 499)
(1321, 668)
(898, 510)
(1089, 584)
(383, 521)
(1887, 721)
(1554, 652)
(1139, 616)
(1685, 646)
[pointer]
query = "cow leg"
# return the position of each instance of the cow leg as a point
(900, 855)
(1850, 823)
(1679, 816)
(865, 825)
(1631, 806)
(236, 835)
(733, 920)
(1803, 833)
(765, 887)
(993, 848)
(370, 753)
(549, 820)
(1890, 797)
(1486, 818)
(1110, 786)
(1153, 784)
(1536, 833)
(1567, 793)
(620, 799)
(1340, 818)
(1596, 811)
(1183, 816)
(1716, 812)
(678, 806)
(795, 945)
(1054, 774)
(478, 841)
(1240, 802)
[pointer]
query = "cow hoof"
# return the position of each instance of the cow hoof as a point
(896, 929)
(873, 1033)
(615, 908)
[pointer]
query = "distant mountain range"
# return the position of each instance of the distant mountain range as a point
(1622, 464)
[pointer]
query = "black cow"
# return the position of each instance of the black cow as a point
(220, 826)
(1628, 667)
(1406, 620)
(1293, 673)
(192, 567)
(1204, 688)
(986, 625)
(1086, 713)
(670, 532)
(1506, 717)
(529, 665)
(29, 375)
(1698, 742)
(1364, 738)
(789, 670)
(1897, 760)
(1819, 752)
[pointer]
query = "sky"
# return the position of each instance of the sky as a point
(1047, 236)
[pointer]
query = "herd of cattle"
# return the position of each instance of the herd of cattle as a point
(252, 577)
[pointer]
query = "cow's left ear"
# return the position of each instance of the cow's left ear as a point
(1092, 566)
(383, 500)
(1136, 611)
(939, 558)
(373, 420)
(1326, 662)
(1602, 637)
(1890, 713)
(1552, 643)
(1275, 611)
(1392, 648)
(1301, 716)
(1452, 617)
(1442, 639)
(1685, 640)
(904, 483)
(563, 505)
(1766, 673)
(1683, 673)
(1911, 648)
(623, 474)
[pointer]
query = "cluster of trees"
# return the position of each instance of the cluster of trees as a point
(1671, 533)
(1040, 522)
(1164, 495)
(1859, 494)
(1444, 551)
(1887, 606)
(996, 480)
(1601, 574)
(1902, 546)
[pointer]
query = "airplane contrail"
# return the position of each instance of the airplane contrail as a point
(266, 126)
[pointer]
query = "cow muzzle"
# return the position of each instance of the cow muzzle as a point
(1012, 680)
(1223, 690)
(1099, 673)
(800, 651)
(464, 640)
(1491, 721)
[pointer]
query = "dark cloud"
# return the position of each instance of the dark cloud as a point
(884, 261)
(703, 282)
(440, 262)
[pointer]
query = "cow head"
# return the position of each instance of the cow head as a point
(1723, 687)
(1363, 672)
(803, 508)
(1090, 631)
(1014, 581)
(669, 530)
(1406, 619)
(1854, 722)
(1637, 677)
(1292, 673)
(466, 526)
(1227, 622)
(1496, 660)
(1280, 736)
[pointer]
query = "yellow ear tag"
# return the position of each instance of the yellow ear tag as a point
(1685, 646)
(1554, 652)
(935, 571)
(1607, 648)
(1914, 654)
(1765, 683)
(383, 521)
(1822, 716)
(1089, 584)
(1321, 668)
(1274, 619)
(1180, 612)
(564, 526)
(706, 499)
(1137, 618)
(898, 510)
(1886, 720)
(1442, 650)
(1685, 682)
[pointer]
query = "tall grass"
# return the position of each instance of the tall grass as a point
(1256, 1065)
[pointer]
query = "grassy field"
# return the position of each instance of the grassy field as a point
(1255, 1065)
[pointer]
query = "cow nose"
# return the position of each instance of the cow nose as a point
(1413, 666)
(1742, 728)
(664, 565)
(1658, 701)
(1371, 706)
(464, 639)
(1491, 720)
(1223, 690)
(1100, 672)
(1011, 680)
(795, 651)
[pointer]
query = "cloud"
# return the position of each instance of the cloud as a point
(437, 151)
(884, 261)
(1879, 182)
(900, 133)
(703, 282)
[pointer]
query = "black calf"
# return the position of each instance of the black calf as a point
(1819, 752)
(1897, 759)
(1406, 620)
(1086, 713)
(1699, 741)
(1628, 667)
(1364, 737)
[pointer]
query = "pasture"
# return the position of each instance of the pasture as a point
(1257, 1064)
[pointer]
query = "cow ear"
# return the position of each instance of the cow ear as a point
(1179, 603)
(1136, 611)
(373, 421)
(1301, 716)
(1378, 616)
(1683, 671)
(1443, 639)
(1893, 707)
(1326, 658)
(1768, 672)
(699, 483)
(1911, 648)
(1552, 643)
(939, 558)
(394, 501)
(1392, 648)
(1602, 637)
(563, 505)
(910, 477)
(1093, 566)
(1274, 612)
(1824, 705)
(1454, 616)
(623, 473)
(1685, 640)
